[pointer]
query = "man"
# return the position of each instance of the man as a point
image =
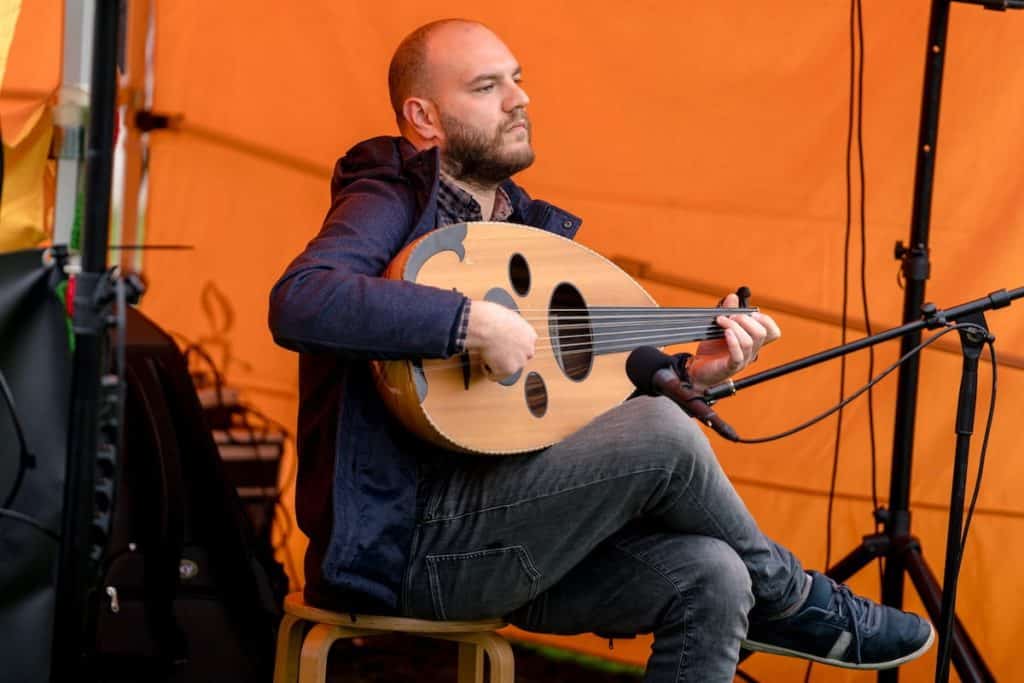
(628, 526)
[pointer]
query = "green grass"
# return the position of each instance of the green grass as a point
(585, 660)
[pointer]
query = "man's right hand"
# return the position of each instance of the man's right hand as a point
(502, 338)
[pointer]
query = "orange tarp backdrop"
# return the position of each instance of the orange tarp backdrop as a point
(30, 78)
(704, 140)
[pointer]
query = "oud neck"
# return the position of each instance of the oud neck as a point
(617, 329)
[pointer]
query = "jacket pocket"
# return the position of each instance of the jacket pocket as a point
(482, 584)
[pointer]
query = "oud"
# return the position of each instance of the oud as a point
(588, 315)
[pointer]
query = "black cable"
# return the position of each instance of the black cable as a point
(189, 347)
(863, 276)
(31, 521)
(287, 481)
(293, 571)
(122, 335)
(287, 524)
(256, 433)
(218, 378)
(853, 122)
(25, 458)
(851, 97)
(902, 359)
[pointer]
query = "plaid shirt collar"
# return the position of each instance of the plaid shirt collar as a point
(455, 205)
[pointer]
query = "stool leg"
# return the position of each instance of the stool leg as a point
(316, 647)
(471, 663)
(499, 652)
(313, 661)
(289, 646)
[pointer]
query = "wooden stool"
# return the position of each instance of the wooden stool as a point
(302, 651)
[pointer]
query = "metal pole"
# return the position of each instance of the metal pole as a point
(916, 269)
(70, 114)
(134, 92)
(78, 562)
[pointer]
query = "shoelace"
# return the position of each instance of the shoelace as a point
(859, 609)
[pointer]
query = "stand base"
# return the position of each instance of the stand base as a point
(906, 550)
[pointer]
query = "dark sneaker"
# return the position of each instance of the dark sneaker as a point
(836, 627)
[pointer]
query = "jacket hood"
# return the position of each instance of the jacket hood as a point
(380, 158)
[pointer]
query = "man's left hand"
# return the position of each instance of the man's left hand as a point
(717, 360)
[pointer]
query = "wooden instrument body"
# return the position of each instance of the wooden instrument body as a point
(450, 402)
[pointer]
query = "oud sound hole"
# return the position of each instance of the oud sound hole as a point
(536, 394)
(572, 337)
(519, 274)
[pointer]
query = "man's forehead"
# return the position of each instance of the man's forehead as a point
(466, 52)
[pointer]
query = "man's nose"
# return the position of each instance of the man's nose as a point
(517, 98)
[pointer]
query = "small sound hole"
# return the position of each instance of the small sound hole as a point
(536, 394)
(519, 274)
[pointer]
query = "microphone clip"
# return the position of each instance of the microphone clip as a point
(655, 373)
(680, 361)
(694, 403)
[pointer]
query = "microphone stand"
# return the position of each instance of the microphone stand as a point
(897, 543)
(971, 342)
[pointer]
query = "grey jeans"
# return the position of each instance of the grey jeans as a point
(628, 526)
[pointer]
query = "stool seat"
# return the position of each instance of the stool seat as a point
(306, 634)
(295, 604)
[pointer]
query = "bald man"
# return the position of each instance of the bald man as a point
(628, 526)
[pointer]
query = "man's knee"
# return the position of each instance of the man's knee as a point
(728, 579)
(660, 419)
(710, 582)
(719, 586)
(661, 427)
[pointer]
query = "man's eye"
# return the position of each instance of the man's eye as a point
(486, 88)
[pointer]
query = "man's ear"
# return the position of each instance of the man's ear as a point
(422, 116)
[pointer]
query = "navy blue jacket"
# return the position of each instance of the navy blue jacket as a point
(357, 476)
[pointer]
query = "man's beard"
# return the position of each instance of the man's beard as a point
(473, 157)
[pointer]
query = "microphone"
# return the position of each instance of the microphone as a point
(654, 374)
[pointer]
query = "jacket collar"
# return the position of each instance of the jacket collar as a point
(422, 169)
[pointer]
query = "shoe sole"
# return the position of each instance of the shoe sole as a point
(771, 649)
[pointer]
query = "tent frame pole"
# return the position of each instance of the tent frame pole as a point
(71, 113)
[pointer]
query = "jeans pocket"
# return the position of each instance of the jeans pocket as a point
(481, 584)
